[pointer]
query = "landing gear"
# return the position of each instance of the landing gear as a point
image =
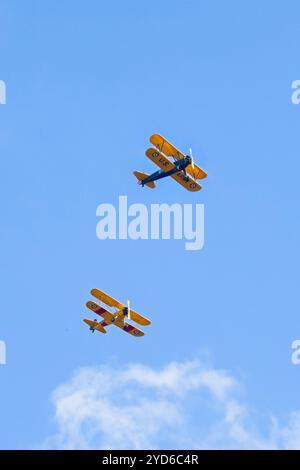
(186, 176)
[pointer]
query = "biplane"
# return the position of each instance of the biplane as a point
(182, 168)
(117, 317)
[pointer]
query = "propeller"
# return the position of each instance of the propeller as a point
(128, 309)
(192, 164)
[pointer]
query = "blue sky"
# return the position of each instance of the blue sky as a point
(87, 84)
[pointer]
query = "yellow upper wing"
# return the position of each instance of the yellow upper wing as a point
(168, 149)
(196, 172)
(159, 159)
(136, 317)
(115, 303)
(139, 318)
(107, 299)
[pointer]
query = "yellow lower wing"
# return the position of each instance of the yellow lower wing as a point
(165, 164)
(168, 149)
(159, 159)
(186, 182)
(111, 319)
(132, 330)
(100, 311)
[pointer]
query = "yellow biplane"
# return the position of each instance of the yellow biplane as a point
(182, 169)
(116, 318)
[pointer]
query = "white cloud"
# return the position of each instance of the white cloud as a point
(290, 434)
(183, 405)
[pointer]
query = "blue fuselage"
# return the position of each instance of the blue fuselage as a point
(180, 165)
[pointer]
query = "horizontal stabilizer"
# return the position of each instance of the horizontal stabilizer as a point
(95, 325)
(141, 176)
